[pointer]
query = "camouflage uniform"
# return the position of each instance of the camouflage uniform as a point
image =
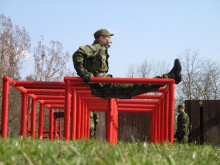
(182, 131)
(93, 60)
(93, 124)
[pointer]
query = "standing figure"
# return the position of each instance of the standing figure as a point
(183, 126)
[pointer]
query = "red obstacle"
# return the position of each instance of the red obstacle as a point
(75, 97)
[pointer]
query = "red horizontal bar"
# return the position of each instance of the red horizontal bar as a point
(55, 106)
(48, 97)
(98, 109)
(123, 80)
(135, 106)
(146, 96)
(53, 101)
(136, 101)
(135, 110)
(45, 91)
(39, 84)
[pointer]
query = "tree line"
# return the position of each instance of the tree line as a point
(49, 63)
(200, 76)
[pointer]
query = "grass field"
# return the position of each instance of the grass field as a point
(34, 152)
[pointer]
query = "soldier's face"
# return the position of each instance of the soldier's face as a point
(106, 41)
(180, 109)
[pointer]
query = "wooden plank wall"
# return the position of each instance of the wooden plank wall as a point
(205, 119)
(131, 126)
(134, 126)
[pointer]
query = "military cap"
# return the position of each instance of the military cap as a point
(102, 32)
(180, 106)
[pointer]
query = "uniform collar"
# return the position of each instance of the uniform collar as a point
(96, 42)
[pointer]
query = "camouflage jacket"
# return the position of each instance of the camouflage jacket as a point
(91, 59)
(182, 124)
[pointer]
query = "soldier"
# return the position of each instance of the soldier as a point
(183, 126)
(92, 61)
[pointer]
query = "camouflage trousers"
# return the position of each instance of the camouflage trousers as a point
(122, 91)
(93, 124)
(182, 136)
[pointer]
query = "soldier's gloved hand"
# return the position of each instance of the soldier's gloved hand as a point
(86, 77)
(109, 75)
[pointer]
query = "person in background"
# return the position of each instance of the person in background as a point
(183, 126)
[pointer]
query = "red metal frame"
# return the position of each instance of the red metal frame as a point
(75, 98)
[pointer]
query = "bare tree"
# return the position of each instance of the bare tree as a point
(200, 78)
(144, 69)
(147, 69)
(14, 43)
(50, 62)
(131, 71)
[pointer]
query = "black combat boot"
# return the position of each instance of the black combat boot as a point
(175, 72)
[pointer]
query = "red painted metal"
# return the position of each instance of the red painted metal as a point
(23, 114)
(33, 119)
(41, 119)
(55, 128)
(51, 124)
(75, 97)
(67, 110)
(73, 115)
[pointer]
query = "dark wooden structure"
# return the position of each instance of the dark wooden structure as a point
(131, 126)
(204, 116)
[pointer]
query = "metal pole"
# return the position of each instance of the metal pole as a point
(78, 132)
(33, 119)
(55, 128)
(83, 120)
(23, 114)
(41, 120)
(5, 95)
(73, 114)
(171, 109)
(51, 124)
(67, 110)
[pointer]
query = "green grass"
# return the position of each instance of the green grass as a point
(34, 152)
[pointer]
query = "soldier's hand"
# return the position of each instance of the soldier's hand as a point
(86, 78)
(109, 75)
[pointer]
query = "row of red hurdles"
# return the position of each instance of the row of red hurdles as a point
(74, 98)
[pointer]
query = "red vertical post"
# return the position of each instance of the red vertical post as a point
(116, 121)
(33, 119)
(28, 118)
(162, 121)
(60, 126)
(5, 95)
(156, 125)
(153, 127)
(41, 121)
(111, 122)
(51, 124)
(55, 128)
(79, 118)
(159, 123)
(67, 109)
(23, 114)
(166, 116)
(73, 114)
(171, 111)
(83, 120)
(88, 124)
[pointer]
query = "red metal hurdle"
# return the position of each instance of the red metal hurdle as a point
(161, 107)
(75, 97)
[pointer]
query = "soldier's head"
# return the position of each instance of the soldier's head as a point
(180, 107)
(103, 36)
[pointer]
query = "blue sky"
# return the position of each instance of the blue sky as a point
(144, 29)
